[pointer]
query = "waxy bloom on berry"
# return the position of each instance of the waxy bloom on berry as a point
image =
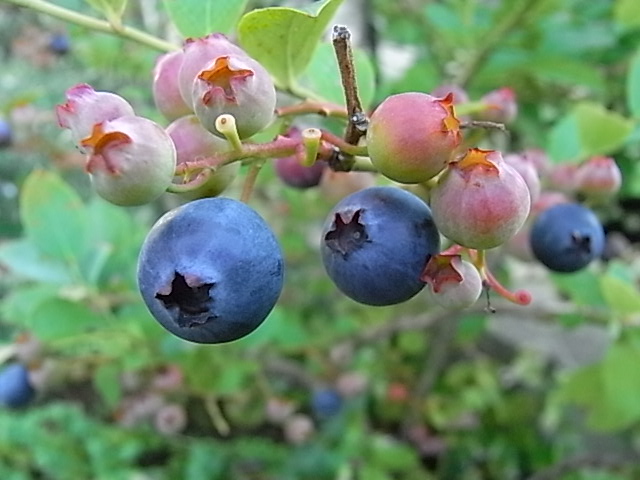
(480, 201)
(453, 283)
(85, 107)
(198, 52)
(411, 136)
(238, 86)
(194, 143)
(598, 178)
(166, 88)
(131, 160)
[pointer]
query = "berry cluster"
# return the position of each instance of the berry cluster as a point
(211, 270)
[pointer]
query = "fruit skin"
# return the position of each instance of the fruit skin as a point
(325, 403)
(59, 44)
(502, 106)
(453, 283)
(375, 244)
(210, 271)
(291, 171)
(598, 178)
(131, 160)
(6, 135)
(567, 237)
(85, 107)
(198, 52)
(193, 142)
(412, 135)
(166, 88)
(480, 201)
(234, 85)
(15, 387)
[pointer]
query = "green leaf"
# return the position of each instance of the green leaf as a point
(54, 217)
(627, 13)
(601, 131)
(608, 390)
(589, 129)
(322, 76)
(196, 18)
(18, 306)
(621, 296)
(564, 139)
(24, 260)
(284, 39)
(633, 83)
(57, 318)
(107, 381)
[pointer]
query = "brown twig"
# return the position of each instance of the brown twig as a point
(357, 119)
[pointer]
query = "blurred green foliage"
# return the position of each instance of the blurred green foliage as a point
(445, 396)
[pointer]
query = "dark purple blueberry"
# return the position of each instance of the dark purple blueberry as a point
(567, 237)
(211, 270)
(15, 387)
(325, 403)
(6, 135)
(59, 44)
(376, 243)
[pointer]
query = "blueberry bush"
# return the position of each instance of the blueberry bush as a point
(336, 239)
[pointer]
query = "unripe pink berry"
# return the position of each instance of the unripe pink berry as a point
(298, 429)
(453, 283)
(563, 177)
(238, 86)
(411, 136)
(193, 142)
(538, 158)
(480, 201)
(501, 106)
(598, 178)
(131, 161)
(291, 170)
(85, 107)
(528, 172)
(166, 87)
(198, 52)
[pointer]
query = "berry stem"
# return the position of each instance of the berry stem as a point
(280, 147)
(311, 139)
(96, 24)
(519, 297)
(250, 180)
(226, 124)
(324, 109)
(484, 124)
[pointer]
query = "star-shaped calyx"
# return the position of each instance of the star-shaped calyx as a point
(223, 76)
(450, 123)
(347, 233)
(188, 299)
(442, 269)
(99, 142)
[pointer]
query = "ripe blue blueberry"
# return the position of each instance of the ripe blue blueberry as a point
(59, 44)
(5, 133)
(567, 237)
(15, 388)
(325, 403)
(376, 243)
(211, 270)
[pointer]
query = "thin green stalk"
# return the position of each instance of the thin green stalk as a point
(95, 24)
